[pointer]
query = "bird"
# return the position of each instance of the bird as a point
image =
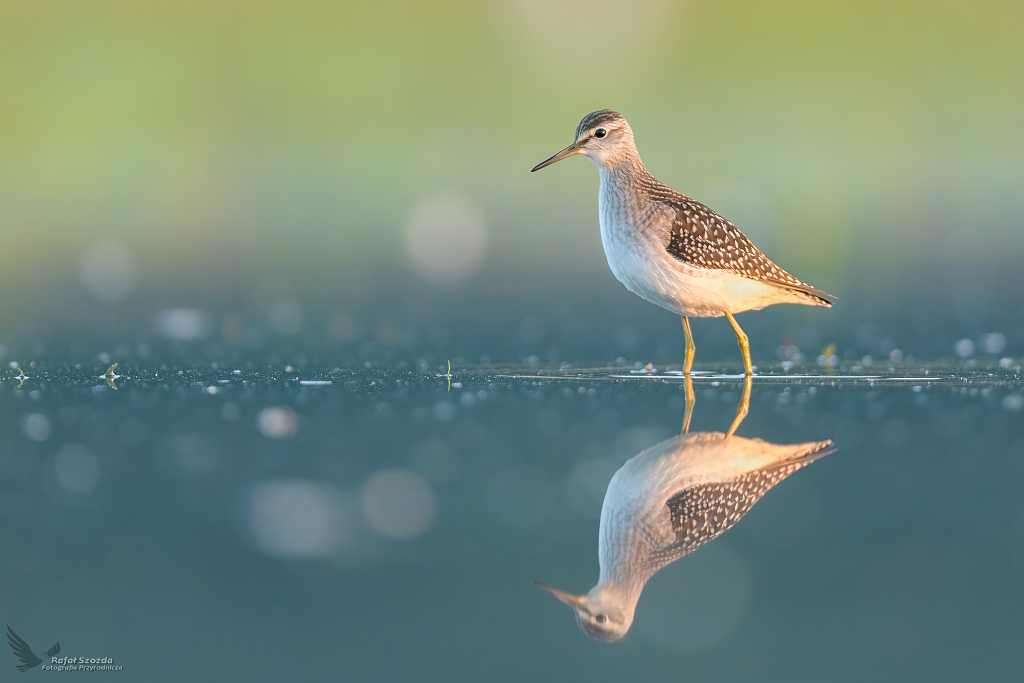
(672, 250)
(669, 500)
(24, 653)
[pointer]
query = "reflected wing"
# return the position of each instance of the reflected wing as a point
(703, 512)
(53, 651)
(22, 651)
(700, 237)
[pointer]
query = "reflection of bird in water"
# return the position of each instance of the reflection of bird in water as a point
(666, 502)
(671, 250)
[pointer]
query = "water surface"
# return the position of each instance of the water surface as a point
(274, 523)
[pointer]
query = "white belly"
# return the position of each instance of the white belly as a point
(641, 263)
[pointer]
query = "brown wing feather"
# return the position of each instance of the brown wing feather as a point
(702, 512)
(700, 237)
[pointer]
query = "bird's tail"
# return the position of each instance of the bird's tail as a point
(818, 300)
(811, 296)
(804, 454)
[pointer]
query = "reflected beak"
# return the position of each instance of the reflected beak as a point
(567, 598)
(564, 154)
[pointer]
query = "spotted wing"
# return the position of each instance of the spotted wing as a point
(704, 512)
(703, 239)
(22, 651)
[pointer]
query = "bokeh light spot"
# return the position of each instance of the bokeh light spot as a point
(185, 324)
(964, 348)
(398, 504)
(36, 426)
(77, 468)
(294, 518)
(279, 422)
(109, 271)
(446, 238)
(992, 342)
(286, 317)
(1013, 402)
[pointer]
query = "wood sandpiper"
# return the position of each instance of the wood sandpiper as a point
(671, 250)
(666, 502)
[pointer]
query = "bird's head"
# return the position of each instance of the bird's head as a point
(601, 614)
(604, 136)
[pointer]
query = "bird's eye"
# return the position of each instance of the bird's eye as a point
(600, 133)
(600, 618)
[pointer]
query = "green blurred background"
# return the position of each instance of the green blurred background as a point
(367, 167)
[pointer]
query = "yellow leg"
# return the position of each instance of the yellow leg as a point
(741, 339)
(743, 408)
(690, 347)
(691, 399)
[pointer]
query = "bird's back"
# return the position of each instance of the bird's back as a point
(659, 243)
(697, 457)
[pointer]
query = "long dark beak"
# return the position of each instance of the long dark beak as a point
(565, 153)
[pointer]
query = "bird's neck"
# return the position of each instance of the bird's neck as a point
(623, 558)
(624, 164)
(624, 180)
(625, 594)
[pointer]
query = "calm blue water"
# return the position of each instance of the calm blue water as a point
(240, 523)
